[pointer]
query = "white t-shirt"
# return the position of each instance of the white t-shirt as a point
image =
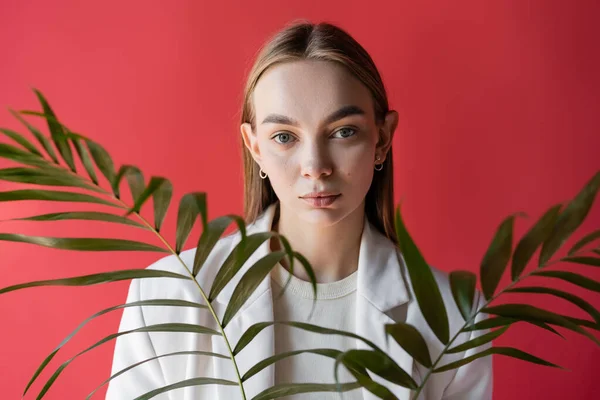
(334, 308)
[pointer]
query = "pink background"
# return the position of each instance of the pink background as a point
(499, 113)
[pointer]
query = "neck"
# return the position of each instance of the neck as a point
(332, 251)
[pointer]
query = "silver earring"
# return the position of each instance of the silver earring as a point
(261, 172)
(378, 165)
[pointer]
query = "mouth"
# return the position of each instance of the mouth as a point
(320, 201)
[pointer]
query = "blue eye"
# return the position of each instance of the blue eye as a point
(285, 138)
(345, 131)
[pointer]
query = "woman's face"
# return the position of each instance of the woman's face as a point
(316, 132)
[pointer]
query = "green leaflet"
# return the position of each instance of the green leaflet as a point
(478, 341)
(528, 312)
(57, 132)
(592, 261)
(178, 353)
(168, 327)
(38, 135)
(249, 282)
(411, 340)
(94, 279)
(84, 156)
(153, 302)
(507, 351)
(528, 245)
(82, 215)
(571, 277)
(570, 219)
(135, 179)
(210, 236)
(589, 238)
(496, 257)
(255, 329)
(424, 285)
(578, 301)
(20, 139)
(161, 191)
(82, 244)
(256, 368)
(462, 285)
(53, 195)
(47, 177)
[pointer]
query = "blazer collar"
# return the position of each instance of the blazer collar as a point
(380, 278)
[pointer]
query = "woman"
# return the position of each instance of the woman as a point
(317, 146)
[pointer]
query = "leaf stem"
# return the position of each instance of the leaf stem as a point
(202, 293)
(519, 279)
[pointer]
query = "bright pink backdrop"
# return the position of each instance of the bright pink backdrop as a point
(499, 113)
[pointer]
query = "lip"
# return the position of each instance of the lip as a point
(319, 194)
(321, 201)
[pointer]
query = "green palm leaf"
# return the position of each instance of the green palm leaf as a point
(256, 368)
(578, 301)
(45, 177)
(589, 238)
(153, 302)
(236, 259)
(135, 179)
(190, 206)
(506, 351)
(462, 285)
(82, 244)
(570, 219)
(94, 279)
(496, 257)
(255, 329)
(20, 139)
(52, 195)
(424, 285)
(411, 340)
(249, 282)
(532, 240)
(161, 191)
(478, 341)
(168, 327)
(84, 156)
(178, 353)
(593, 261)
(57, 132)
(210, 236)
(495, 322)
(528, 312)
(38, 135)
(104, 163)
(82, 215)
(571, 277)
(380, 364)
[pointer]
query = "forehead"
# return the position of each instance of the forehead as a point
(308, 91)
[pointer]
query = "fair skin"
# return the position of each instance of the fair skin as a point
(307, 152)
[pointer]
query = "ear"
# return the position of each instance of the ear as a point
(251, 141)
(386, 134)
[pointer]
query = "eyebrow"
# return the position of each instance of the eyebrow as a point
(343, 112)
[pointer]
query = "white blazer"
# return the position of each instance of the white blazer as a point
(384, 295)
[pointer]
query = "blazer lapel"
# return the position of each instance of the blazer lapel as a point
(380, 288)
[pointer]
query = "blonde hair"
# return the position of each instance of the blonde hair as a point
(303, 40)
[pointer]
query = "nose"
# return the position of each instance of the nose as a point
(316, 162)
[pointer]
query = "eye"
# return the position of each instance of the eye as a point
(346, 132)
(284, 138)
